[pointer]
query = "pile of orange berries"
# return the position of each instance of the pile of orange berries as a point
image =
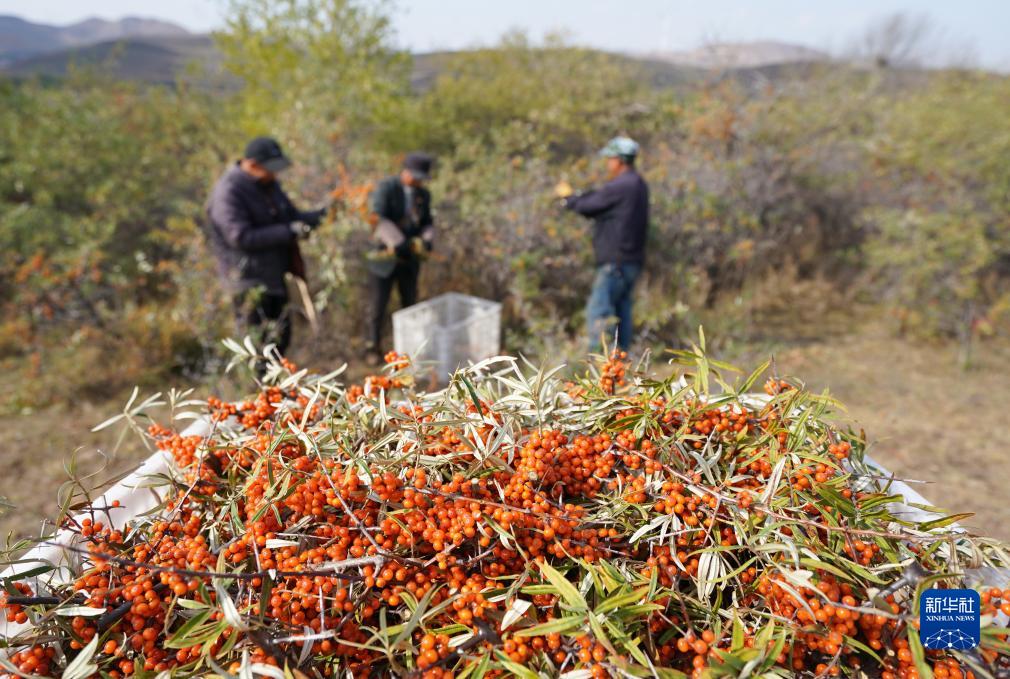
(310, 533)
(613, 371)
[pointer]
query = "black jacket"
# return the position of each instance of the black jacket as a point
(389, 201)
(620, 210)
(251, 232)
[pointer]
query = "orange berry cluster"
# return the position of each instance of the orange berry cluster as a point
(613, 371)
(15, 613)
(35, 659)
(774, 387)
(375, 384)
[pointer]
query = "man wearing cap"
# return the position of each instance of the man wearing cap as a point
(403, 227)
(254, 233)
(620, 213)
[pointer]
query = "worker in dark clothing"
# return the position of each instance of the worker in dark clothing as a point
(404, 234)
(620, 213)
(254, 232)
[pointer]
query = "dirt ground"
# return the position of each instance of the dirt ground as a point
(926, 419)
(36, 448)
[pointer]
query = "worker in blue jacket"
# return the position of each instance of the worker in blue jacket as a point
(620, 213)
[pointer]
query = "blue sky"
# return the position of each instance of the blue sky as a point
(980, 28)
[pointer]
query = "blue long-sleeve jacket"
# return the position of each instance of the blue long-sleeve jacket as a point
(620, 212)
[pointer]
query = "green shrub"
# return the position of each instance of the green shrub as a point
(769, 203)
(96, 173)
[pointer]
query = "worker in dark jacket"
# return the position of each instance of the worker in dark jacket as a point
(254, 233)
(403, 227)
(620, 213)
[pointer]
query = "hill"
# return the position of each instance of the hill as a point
(156, 60)
(740, 55)
(164, 59)
(21, 39)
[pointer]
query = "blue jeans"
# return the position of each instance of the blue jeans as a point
(611, 300)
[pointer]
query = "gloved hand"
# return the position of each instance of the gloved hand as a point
(302, 229)
(380, 254)
(313, 217)
(420, 247)
(563, 190)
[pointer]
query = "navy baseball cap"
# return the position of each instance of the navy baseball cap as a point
(419, 165)
(267, 153)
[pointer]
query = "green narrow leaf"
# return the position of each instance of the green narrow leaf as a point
(478, 669)
(619, 600)
(81, 666)
(473, 395)
(918, 653)
(227, 605)
(629, 612)
(945, 521)
(565, 589)
(415, 618)
(753, 377)
(265, 590)
(867, 504)
(191, 605)
(855, 643)
(823, 565)
(30, 573)
(514, 667)
(738, 634)
(665, 673)
(182, 636)
(558, 625)
(600, 634)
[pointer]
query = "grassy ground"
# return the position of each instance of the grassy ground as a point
(926, 419)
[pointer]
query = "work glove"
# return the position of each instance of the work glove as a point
(420, 247)
(380, 254)
(563, 190)
(302, 229)
(313, 217)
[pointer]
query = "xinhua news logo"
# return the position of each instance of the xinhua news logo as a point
(950, 619)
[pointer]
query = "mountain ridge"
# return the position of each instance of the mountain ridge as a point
(164, 59)
(22, 39)
(160, 52)
(752, 54)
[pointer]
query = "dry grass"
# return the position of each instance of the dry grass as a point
(927, 419)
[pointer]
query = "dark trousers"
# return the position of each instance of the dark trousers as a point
(404, 277)
(265, 318)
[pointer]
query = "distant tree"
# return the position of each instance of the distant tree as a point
(565, 96)
(313, 71)
(899, 39)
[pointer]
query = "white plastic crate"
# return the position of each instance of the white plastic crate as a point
(448, 331)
